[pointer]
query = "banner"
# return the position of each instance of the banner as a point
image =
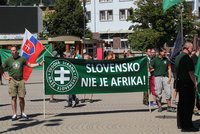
(30, 50)
(79, 76)
(197, 73)
(5, 53)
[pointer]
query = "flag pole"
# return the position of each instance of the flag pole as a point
(48, 52)
(182, 24)
(149, 94)
(44, 103)
(43, 93)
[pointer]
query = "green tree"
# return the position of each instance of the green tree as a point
(153, 28)
(144, 38)
(68, 19)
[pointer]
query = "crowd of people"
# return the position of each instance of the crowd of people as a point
(162, 73)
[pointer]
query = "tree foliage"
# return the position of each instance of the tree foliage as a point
(153, 28)
(145, 38)
(68, 19)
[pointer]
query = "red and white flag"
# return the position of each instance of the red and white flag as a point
(30, 50)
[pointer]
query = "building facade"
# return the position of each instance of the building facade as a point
(107, 19)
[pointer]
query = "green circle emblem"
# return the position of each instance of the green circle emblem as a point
(61, 75)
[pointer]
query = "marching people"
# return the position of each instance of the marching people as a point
(15, 65)
(162, 72)
(186, 86)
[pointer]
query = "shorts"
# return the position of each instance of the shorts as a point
(160, 84)
(17, 88)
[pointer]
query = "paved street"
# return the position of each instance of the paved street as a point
(108, 114)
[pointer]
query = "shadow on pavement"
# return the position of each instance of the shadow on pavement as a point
(35, 83)
(102, 112)
(19, 126)
(166, 116)
(2, 105)
(23, 123)
(196, 123)
(5, 118)
(78, 105)
(88, 100)
(30, 117)
(53, 122)
(47, 99)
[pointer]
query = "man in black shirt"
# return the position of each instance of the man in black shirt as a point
(186, 87)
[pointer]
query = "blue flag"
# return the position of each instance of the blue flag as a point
(177, 47)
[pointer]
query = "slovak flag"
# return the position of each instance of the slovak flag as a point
(30, 50)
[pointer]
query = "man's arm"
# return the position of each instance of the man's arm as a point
(193, 78)
(35, 65)
(169, 73)
(6, 76)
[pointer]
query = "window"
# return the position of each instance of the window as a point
(124, 44)
(106, 15)
(123, 14)
(104, 1)
(110, 15)
(88, 16)
(102, 15)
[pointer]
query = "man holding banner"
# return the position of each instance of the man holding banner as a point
(18, 72)
(15, 65)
